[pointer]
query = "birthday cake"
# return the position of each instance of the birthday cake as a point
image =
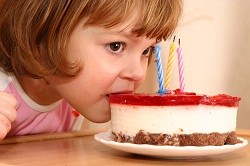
(174, 118)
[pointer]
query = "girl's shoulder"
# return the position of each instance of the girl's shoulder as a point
(4, 79)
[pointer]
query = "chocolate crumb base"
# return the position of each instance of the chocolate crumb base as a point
(195, 139)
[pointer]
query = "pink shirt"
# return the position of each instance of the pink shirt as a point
(33, 118)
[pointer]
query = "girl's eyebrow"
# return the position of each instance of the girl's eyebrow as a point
(119, 33)
(125, 30)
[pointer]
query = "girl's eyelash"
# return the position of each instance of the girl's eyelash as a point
(123, 46)
(152, 51)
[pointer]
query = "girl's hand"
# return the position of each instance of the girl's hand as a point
(8, 113)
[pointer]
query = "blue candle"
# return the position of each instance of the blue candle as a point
(161, 90)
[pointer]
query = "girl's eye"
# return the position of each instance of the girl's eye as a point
(115, 47)
(148, 51)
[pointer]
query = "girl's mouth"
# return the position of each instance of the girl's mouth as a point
(118, 92)
(122, 92)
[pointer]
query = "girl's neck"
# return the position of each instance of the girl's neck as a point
(38, 90)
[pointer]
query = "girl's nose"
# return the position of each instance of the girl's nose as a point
(133, 70)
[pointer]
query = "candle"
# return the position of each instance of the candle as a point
(159, 70)
(170, 62)
(181, 68)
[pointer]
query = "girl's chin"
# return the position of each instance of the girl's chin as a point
(102, 113)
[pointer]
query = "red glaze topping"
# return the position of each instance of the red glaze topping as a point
(173, 99)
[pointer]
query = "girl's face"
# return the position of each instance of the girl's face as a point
(113, 61)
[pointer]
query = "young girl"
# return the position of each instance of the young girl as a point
(61, 57)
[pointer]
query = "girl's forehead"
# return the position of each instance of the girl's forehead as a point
(127, 26)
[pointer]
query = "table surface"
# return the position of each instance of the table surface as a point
(85, 150)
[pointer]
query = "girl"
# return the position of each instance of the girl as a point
(61, 57)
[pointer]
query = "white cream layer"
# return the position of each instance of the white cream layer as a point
(172, 119)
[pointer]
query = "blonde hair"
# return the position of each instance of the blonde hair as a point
(35, 34)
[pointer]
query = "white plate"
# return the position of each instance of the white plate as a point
(173, 152)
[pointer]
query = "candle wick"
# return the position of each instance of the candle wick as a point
(179, 41)
(174, 38)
